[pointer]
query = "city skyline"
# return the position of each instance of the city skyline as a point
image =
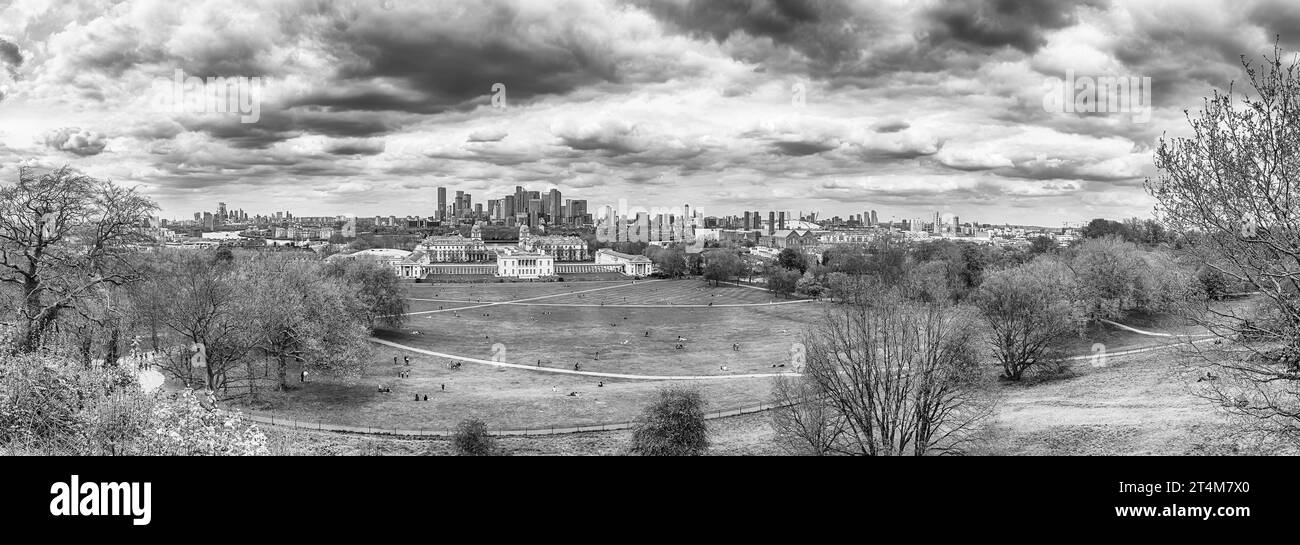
(367, 107)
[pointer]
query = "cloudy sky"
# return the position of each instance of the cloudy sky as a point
(368, 105)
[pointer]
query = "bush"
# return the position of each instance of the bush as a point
(673, 425)
(472, 439)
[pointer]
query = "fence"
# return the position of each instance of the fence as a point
(289, 423)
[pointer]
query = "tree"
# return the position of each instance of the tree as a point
(376, 287)
(1029, 312)
(808, 285)
(805, 421)
(792, 259)
(671, 262)
(1042, 244)
(300, 315)
(472, 439)
(901, 377)
(722, 265)
(64, 238)
(782, 281)
(1233, 181)
(200, 300)
(673, 425)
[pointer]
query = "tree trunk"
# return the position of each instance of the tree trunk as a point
(283, 371)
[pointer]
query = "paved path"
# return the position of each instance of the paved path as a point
(526, 367)
(722, 305)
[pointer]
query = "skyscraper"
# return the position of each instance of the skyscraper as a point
(442, 203)
(553, 203)
(873, 217)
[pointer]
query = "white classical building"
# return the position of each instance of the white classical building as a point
(525, 265)
(633, 265)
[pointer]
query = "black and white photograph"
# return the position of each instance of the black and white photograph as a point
(650, 228)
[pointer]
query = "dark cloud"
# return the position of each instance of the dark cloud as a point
(892, 126)
(994, 24)
(801, 148)
(356, 146)
(11, 57)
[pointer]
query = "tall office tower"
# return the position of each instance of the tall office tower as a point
(535, 210)
(509, 206)
(937, 227)
(745, 224)
(209, 222)
(198, 217)
(655, 231)
(478, 210)
(642, 227)
(553, 203)
(442, 203)
(771, 223)
(780, 218)
(758, 219)
(521, 200)
(578, 211)
(469, 204)
(459, 205)
(686, 212)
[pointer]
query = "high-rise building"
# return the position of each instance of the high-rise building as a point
(508, 206)
(781, 220)
(873, 218)
(553, 203)
(771, 223)
(937, 226)
(745, 224)
(442, 203)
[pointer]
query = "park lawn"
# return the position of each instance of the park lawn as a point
(614, 340)
(495, 292)
(503, 398)
(1136, 405)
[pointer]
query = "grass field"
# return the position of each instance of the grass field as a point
(640, 340)
(1136, 405)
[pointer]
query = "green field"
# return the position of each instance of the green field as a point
(1143, 404)
(639, 340)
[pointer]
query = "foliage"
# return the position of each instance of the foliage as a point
(64, 239)
(673, 425)
(472, 439)
(377, 288)
(1232, 182)
(1030, 314)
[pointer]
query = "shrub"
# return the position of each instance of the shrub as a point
(673, 425)
(472, 439)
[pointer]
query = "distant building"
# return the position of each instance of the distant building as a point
(633, 265)
(525, 265)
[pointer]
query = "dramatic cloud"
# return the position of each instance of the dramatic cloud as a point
(838, 106)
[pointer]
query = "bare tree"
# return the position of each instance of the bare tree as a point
(1030, 314)
(1233, 184)
(804, 420)
(63, 238)
(197, 300)
(902, 378)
